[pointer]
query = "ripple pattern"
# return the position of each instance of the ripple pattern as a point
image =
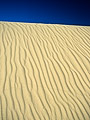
(44, 72)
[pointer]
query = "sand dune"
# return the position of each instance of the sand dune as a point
(44, 72)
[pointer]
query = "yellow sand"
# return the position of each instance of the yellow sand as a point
(44, 72)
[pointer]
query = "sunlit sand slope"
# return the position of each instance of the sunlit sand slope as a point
(44, 72)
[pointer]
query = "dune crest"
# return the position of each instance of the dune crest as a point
(44, 72)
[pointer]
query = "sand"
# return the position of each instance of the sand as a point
(44, 71)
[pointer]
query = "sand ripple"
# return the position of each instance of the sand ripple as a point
(44, 72)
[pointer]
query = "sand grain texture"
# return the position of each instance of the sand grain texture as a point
(44, 72)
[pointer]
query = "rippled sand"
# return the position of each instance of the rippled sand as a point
(44, 72)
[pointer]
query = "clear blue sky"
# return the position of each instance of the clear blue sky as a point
(75, 12)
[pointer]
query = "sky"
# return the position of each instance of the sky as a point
(68, 12)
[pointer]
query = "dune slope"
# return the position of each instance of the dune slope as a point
(44, 72)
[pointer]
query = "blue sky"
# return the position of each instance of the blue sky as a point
(73, 12)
